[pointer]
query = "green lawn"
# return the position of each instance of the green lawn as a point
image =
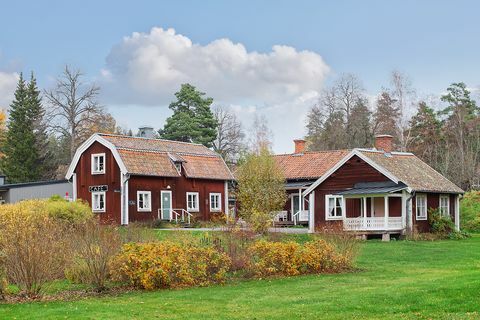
(398, 280)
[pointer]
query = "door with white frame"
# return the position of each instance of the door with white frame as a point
(166, 205)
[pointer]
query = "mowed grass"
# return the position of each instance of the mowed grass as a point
(396, 280)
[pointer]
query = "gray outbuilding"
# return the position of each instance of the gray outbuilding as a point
(15, 192)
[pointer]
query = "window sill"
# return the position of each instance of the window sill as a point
(98, 211)
(215, 210)
(333, 218)
(144, 210)
(97, 173)
(421, 219)
(193, 210)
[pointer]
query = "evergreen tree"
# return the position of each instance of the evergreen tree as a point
(45, 161)
(20, 161)
(192, 119)
(360, 125)
(386, 117)
(425, 133)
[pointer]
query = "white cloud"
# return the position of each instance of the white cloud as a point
(8, 82)
(148, 68)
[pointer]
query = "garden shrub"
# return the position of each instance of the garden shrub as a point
(35, 245)
(70, 211)
(443, 226)
(93, 246)
(3, 277)
(169, 265)
(290, 258)
(440, 223)
(470, 211)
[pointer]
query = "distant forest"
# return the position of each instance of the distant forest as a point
(43, 129)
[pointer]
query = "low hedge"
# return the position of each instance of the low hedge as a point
(169, 265)
(290, 258)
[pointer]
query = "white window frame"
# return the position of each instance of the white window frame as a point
(197, 204)
(94, 206)
(444, 196)
(425, 209)
(219, 202)
(178, 166)
(149, 202)
(94, 169)
(328, 217)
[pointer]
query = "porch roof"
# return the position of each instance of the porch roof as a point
(298, 184)
(374, 188)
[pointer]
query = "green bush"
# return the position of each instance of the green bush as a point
(440, 223)
(470, 211)
(70, 211)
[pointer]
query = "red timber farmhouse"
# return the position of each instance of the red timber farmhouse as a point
(369, 191)
(128, 179)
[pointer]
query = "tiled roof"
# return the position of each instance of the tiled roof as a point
(148, 163)
(206, 167)
(308, 165)
(159, 145)
(154, 157)
(412, 171)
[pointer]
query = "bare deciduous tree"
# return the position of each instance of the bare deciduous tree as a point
(261, 135)
(229, 141)
(73, 105)
(404, 95)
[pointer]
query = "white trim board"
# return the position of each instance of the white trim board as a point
(95, 138)
(354, 152)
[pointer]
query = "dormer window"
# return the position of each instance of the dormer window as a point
(98, 163)
(178, 165)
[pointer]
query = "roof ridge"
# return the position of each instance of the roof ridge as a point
(313, 152)
(145, 138)
(166, 152)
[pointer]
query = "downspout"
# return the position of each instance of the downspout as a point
(410, 212)
(125, 199)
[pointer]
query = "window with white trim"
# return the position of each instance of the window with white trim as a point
(98, 163)
(444, 205)
(421, 207)
(144, 201)
(192, 202)
(215, 202)
(98, 201)
(334, 207)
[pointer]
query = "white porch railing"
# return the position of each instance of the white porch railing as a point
(179, 215)
(372, 224)
(301, 215)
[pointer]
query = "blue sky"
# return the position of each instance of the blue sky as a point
(434, 42)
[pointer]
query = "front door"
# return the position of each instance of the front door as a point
(166, 205)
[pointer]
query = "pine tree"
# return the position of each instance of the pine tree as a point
(425, 133)
(386, 117)
(45, 162)
(19, 163)
(192, 119)
(360, 125)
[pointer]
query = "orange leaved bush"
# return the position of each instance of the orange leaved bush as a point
(169, 265)
(291, 258)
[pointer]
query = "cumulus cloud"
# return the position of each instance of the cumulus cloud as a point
(148, 68)
(8, 82)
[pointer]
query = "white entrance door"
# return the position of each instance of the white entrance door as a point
(166, 205)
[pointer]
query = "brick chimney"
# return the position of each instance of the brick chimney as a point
(299, 145)
(384, 142)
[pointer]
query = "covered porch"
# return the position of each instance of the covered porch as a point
(375, 207)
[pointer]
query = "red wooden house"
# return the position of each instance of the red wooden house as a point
(373, 190)
(136, 179)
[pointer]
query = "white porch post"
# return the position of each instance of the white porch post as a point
(226, 199)
(410, 214)
(404, 209)
(364, 199)
(457, 212)
(372, 206)
(74, 187)
(385, 222)
(311, 212)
